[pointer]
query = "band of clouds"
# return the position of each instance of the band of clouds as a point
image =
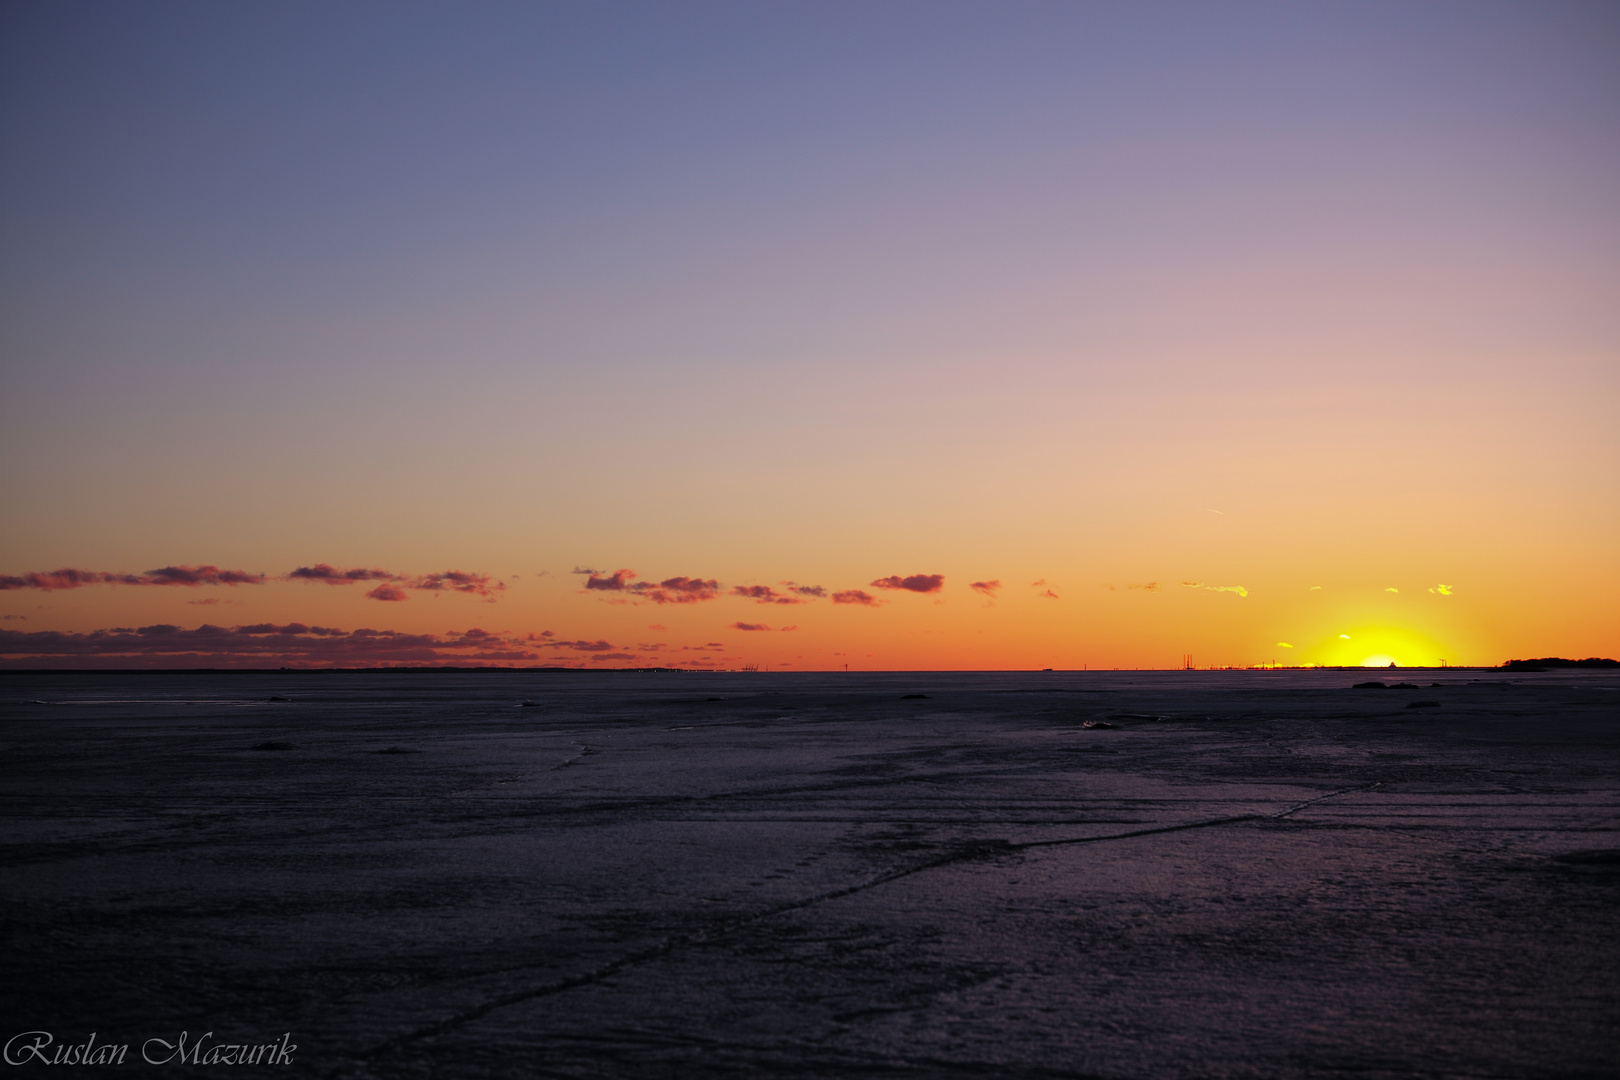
(684, 589)
(186, 576)
(674, 590)
(681, 589)
(391, 585)
(262, 644)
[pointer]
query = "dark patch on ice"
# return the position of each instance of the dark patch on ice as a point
(1605, 857)
(912, 697)
(1370, 686)
(275, 699)
(396, 750)
(272, 746)
(1098, 725)
(1422, 704)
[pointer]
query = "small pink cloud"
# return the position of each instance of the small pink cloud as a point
(922, 583)
(678, 590)
(988, 588)
(764, 594)
(749, 626)
(331, 575)
(388, 592)
(459, 581)
(855, 596)
(618, 581)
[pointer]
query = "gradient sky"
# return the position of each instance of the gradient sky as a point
(1319, 301)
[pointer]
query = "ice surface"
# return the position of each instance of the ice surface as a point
(817, 875)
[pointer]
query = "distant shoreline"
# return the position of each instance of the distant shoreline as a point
(1512, 666)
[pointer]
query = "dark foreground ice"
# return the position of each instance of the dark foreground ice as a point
(646, 875)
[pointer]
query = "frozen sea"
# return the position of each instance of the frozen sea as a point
(1103, 874)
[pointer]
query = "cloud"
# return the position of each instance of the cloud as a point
(584, 570)
(987, 588)
(764, 594)
(855, 596)
(1050, 595)
(581, 646)
(14, 618)
(678, 590)
(1392, 589)
(201, 575)
(618, 581)
(749, 626)
(815, 591)
(1284, 645)
(1151, 586)
(1344, 637)
(69, 578)
(1037, 584)
(259, 645)
(1239, 589)
(459, 581)
(922, 583)
(324, 573)
(387, 592)
(1314, 588)
(675, 590)
(1441, 590)
(331, 575)
(658, 628)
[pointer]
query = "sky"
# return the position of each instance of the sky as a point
(895, 335)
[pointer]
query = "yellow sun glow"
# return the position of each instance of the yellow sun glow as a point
(1379, 646)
